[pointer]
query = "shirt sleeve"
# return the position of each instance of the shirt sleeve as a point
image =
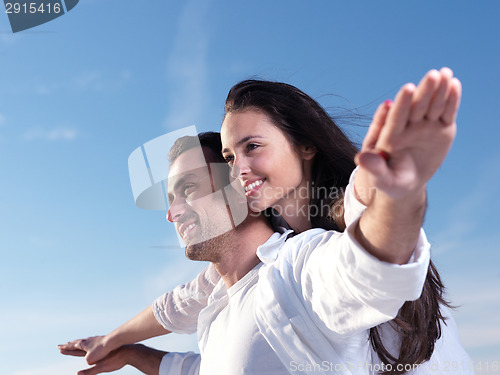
(353, 208)
(180, 364)
(351, 290)
(178, 310)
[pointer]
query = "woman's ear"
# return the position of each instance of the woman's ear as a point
(307, 152)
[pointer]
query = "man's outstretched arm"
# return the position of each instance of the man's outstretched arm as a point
(147, 360)
(176, 310)
(141, 327)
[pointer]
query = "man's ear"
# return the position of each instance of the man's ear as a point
(307, 152)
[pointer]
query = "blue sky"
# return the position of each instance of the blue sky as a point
(79, 94)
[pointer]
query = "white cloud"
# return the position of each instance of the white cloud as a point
(67, 366)
(178, 270)
(477, 314)
(478, 198)
(467, 255)
(54, 134)
(8, 38)
(95, 81)
(187, 68)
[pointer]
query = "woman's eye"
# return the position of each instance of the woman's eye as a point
(251, 146)
(229, 159)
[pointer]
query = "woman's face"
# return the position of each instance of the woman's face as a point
(271, 171)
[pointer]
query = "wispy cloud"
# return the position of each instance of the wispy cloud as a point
(95, 81)
(177, 270)
(7, 38)
(187, 67)
(477, 199)
(479, 322)
(67, 366)
(467, 255)
(54, 134)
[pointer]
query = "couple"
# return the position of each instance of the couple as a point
(324, 299)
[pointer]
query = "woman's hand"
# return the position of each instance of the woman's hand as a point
(405, 145)
(92, 348)
(409, 139)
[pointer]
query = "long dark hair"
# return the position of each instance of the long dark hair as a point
(305, 122)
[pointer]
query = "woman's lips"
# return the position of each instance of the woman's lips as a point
(253, 187)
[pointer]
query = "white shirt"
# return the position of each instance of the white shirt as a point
(229, 339)
(314, 300)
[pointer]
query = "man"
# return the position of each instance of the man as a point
(200, 213)
(292, 310)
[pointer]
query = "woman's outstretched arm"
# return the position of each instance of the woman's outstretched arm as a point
(413, 137)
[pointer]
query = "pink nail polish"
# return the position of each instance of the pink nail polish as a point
(388, 103)
(384, 155)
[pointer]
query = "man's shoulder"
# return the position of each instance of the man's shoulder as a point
(303, 244)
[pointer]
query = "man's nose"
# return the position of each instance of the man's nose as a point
(175, 211)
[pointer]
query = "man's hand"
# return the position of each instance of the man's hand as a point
(114, 361)
(141, 327)
(92, 348)
(145, 359)
(414, 134)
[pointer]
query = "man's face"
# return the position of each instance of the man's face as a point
(197, 205)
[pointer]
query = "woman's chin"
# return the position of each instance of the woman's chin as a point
(256, 205)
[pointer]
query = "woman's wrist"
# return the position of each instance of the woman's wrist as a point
(113, 341)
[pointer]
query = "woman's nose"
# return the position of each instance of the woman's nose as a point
(240, 168)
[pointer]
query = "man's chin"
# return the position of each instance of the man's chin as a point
(197, 251)
(208, 250)
(196, 247)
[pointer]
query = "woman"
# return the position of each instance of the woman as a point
(282, 143)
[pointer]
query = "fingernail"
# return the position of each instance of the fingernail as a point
(388, 103)
(384, 155)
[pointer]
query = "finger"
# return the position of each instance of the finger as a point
(398, 115)
(423, 95)
(94, 356)
(374, 164)
(450, 113)
(97, 369)
(76, 353)
(376, 126)
(109, 364)
(438, 102)
(72, 345)
(90, 371)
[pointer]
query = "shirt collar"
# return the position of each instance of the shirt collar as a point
(268, 251)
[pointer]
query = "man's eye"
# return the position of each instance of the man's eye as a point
(189, 188)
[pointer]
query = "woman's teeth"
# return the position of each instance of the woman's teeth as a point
(252, 185)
